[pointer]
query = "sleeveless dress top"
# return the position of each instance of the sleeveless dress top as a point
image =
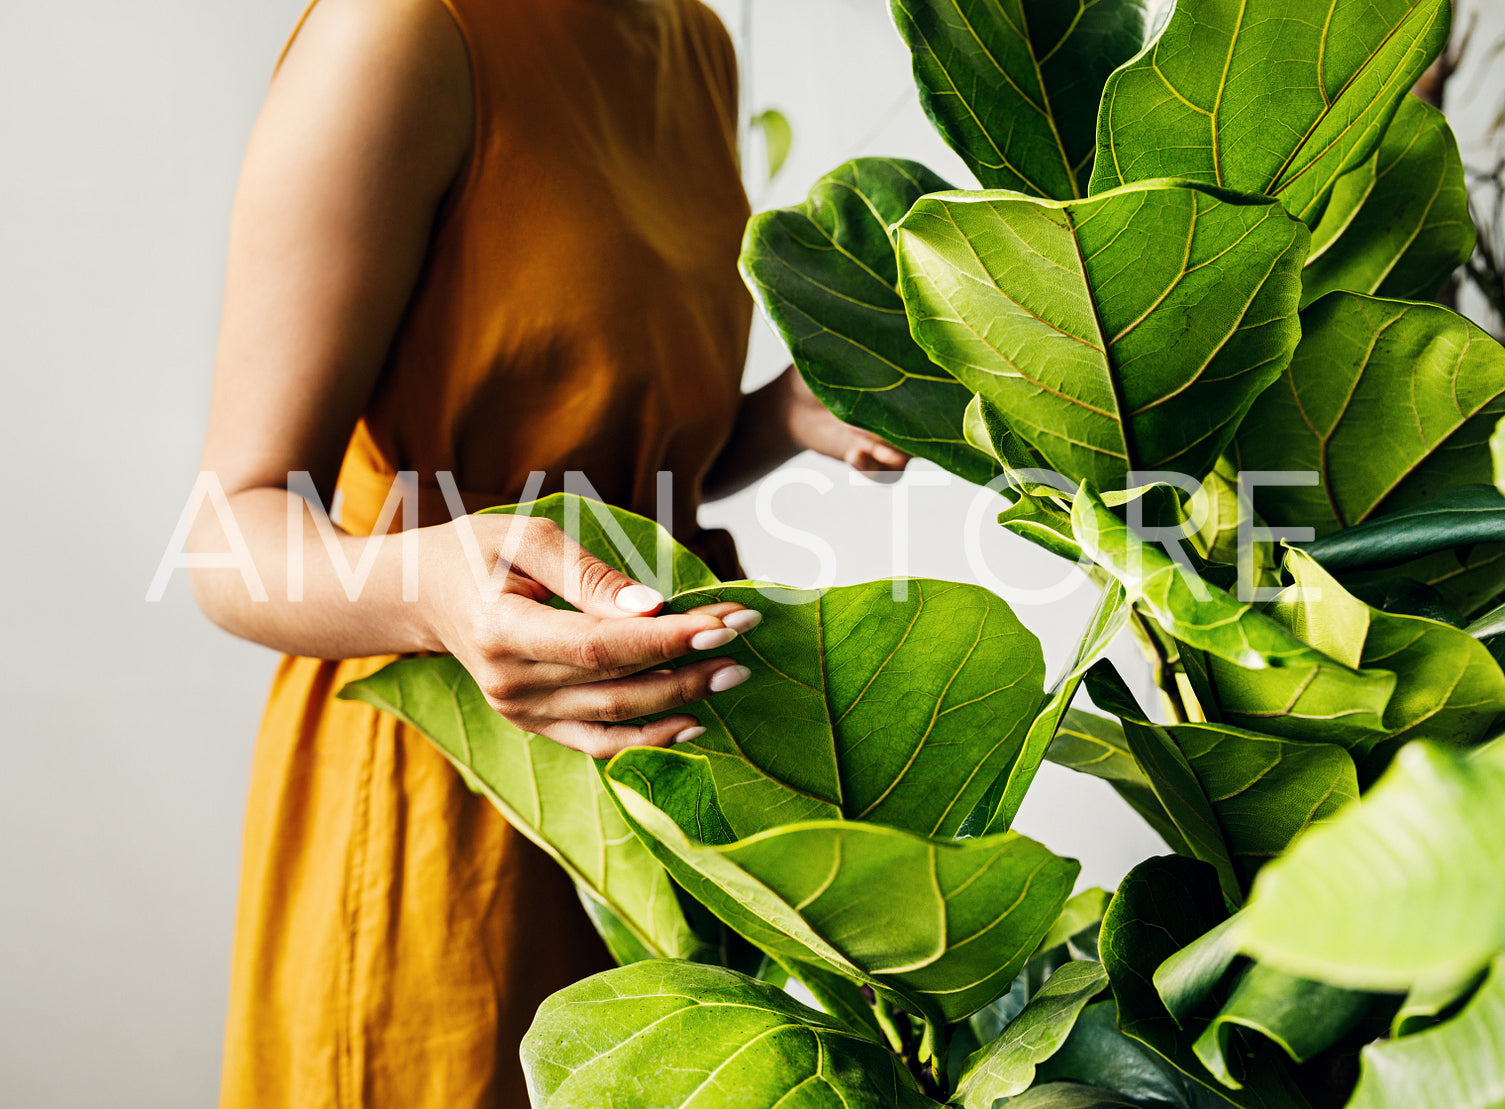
(579, 310)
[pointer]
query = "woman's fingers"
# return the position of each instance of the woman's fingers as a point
(544, 647)
(642, 694)
(602, 741)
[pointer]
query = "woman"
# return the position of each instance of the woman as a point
(489, 238)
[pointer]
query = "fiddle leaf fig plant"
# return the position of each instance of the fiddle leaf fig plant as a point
(1173, 326)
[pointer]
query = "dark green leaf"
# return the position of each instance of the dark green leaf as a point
(1013, 85)
(1388, 403)
(1460, 517)
(1069, 1095)
(666, 1035)
(940, 928)
(1162, 906)
(1301, 1016)
(1398, 225)
(1170, 775)
(1401, 890)
(1096, 1052)
(825, 276)
(1266, 97)
(1126, 332)
(1006, 1066)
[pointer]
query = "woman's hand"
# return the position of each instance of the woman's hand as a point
(572, 676)
(811, 426)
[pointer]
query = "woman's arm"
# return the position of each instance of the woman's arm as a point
(365, 129)
(780, 420)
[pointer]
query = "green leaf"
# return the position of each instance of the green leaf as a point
(1264, 97)
(1425, 1006)
(1126, 332)
(1069, 1095)
(1460, 517)
(550, 793)
(1099, 1054)
(1459, 1064)
(1398, 225)
(1013, 86)
(1171, 777)
(1497, 455)
(1083, 911)
(1302, 1017)
(670, 1035)
(824, 274)
(1448, 686)
(1001, 804)
(1162, 906)
(1238, 798)
(1265, 676)
(1096, 745)
(1389, 403)
(940, 928)
(778, 137)
(1402, 890)
(1006, 1066)
(863, 705)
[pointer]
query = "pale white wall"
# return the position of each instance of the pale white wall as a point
(128, 725)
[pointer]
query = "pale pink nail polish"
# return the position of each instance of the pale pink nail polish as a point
(710, 640)
(689, 733)
(730, 678)
(744, 621)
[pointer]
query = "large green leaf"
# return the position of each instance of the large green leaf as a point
(1389, 403)
(1126, 332)
(864, 706)
(1238, 798)
(824, 273)
(1264, 96)
(1265, 676)
(1006, 1066)
(672, 1035)
(550, 793)
(941, 928)
(1162, 906)
(1461, 517)
(1398, 226)
(1459, 1064)
(1447, 684)
(1013, 85)
(1402, 889)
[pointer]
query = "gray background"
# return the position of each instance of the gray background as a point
(128, 726)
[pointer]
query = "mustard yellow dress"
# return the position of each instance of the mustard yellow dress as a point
(580, 310)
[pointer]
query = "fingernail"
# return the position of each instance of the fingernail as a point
(710, 640)
(638, 598)
(730, 678)
(689, 734)
(744, 621)
(889, 456)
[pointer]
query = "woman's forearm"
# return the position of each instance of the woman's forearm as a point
(309, 610)
(760, 441)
